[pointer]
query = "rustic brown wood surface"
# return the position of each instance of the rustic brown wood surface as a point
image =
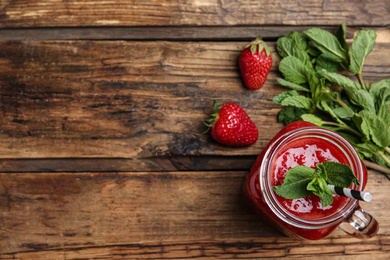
(49, 13)
(134, 100)
(102, 151)
(163, 215)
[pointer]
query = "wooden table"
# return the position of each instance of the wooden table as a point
(102, 154)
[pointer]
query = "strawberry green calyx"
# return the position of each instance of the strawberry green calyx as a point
(258, 45)
(214, 116)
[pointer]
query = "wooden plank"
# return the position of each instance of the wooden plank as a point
(118, 99)
(198, 33)
(259, 248)
(221, 33)
(54, 13)
(163, 163)
(137, 90)
(163, 215)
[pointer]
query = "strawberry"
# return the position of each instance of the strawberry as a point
(255, 63)
(231, 125)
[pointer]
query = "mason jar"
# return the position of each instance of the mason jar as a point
(303, 136)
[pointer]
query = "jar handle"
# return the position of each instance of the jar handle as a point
(360, 224)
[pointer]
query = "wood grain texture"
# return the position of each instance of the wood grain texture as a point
(337, 247)
(121, 99)
(54, 13)
(177, 33)
(198, 33)
(184, 33)
(102, 154)
(158, 163)
(157, 215)
(118, 99)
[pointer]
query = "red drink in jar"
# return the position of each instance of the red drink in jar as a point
(302, 143)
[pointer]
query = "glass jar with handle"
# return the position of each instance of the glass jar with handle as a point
(302, 143)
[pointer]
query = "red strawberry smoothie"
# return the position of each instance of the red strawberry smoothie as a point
(300, 143)
(307, 152)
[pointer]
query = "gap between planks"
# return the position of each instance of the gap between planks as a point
(174, 33)
(161, 164)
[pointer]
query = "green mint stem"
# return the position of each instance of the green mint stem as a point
(344, 127)
(341, 103)
(385, 157)
(377, 167)
(387, 149)
(360, 78)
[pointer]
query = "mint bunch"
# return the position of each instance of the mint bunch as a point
(302, 181)
(324, 74)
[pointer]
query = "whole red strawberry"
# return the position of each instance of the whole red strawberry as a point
(255, 63)
(231, 125)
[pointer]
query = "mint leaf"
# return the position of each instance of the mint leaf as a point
(339, 174)
(340, 80)
(341, 36)
(279, 98)
(361, 98)
(312, 119)
(377, 88)
(353, 89)
(292, 98)
(319, 185)
(284, 46)
(300, 47)
(294, 44)
(374, 127)
(293, 69)
(299, 41)
(315, 83)
(327, 96)
(320, 188)
(362, 125)
(368, 149)
(362, 45)
(323, 63)
(292, 85)
(327, 43)
(344, 112)
(320, 171)
(313, 52)
(298, 101)
(295, 183)
(351, 137)
(324, 106)
(291, 114)
(380, 91)
(384, 112)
